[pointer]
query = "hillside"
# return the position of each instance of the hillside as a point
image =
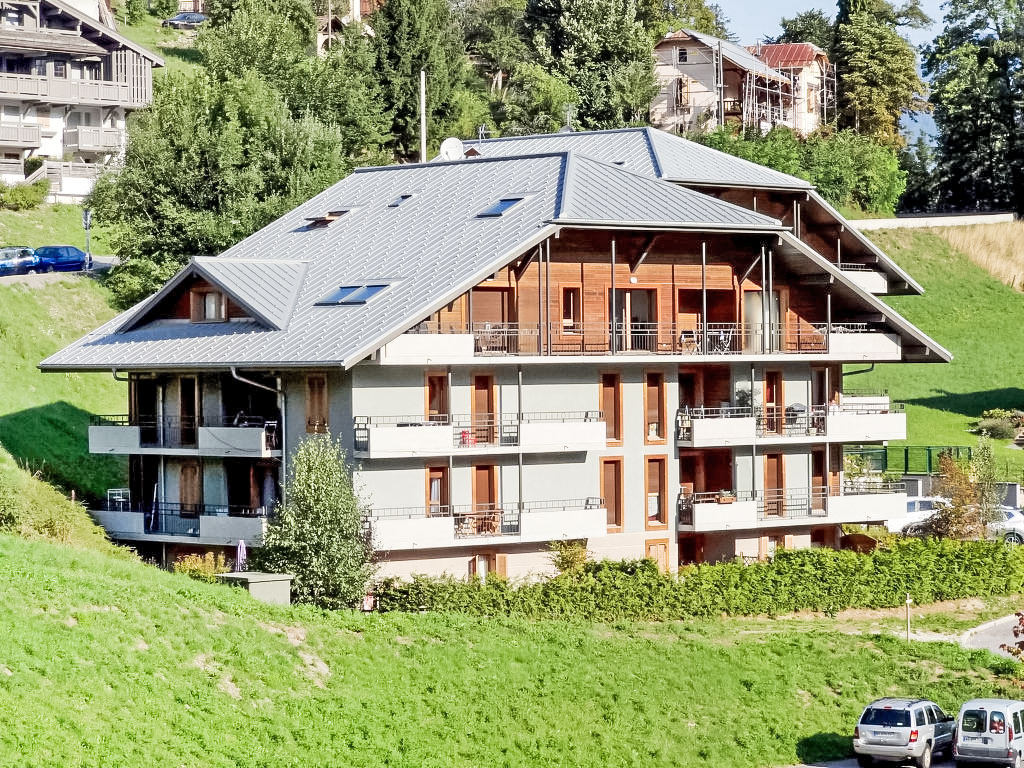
(976, 317)
(56, 224)
(44, 418)
(111, 662)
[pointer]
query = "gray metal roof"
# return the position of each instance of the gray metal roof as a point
(649, 152)
(429, 250)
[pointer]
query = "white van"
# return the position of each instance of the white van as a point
(990, 731)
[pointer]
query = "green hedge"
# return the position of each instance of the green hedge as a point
(810, 579)
(20, 197)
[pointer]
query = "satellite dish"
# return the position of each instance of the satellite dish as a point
(452, 149)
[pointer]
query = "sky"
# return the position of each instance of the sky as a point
(751, 20)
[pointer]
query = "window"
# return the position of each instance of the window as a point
(437, 491)
(60, 69)
(611, 404)
(437, 397)
(316, 404)
(886, 718)
(611, 490)
(973, 721)
(654, 408)
(499, 208)
(11, 17)
(930, 713)
(190, 488)
(399, 200)
(209, 307)
(352, 294)
(571, 317)
(657, 515)
(1017, 730)
(327, 218)
(682, 92)
(996, 723)
(681, 55)
(919, 717)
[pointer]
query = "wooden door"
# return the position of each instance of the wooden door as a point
(611, 490)
(687, 390)
(658, 552)
(819, 479)
(188, 410)
(145, 410)
(774, 411)
(190, 488)
(437, 397)
(483, 415)
(774, 504)
(437, 490)
(486, 518)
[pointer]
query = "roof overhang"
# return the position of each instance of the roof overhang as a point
(103, 30)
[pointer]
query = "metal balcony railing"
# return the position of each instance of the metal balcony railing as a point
(183, 432)
(470, 430)
(490, 519)
(714, 339)
(176, 519)
(779, 421)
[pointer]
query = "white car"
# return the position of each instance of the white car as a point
(1011, 528)
(919, 508)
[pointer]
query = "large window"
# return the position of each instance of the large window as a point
(611, 404)
(654, 408)
(657, 512)
(611, 490)
(437, 490)
(571, 309)
(437, 397)
(316, 404)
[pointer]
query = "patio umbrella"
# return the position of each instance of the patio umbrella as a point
(240, 555)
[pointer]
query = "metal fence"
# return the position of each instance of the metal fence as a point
(907, 459)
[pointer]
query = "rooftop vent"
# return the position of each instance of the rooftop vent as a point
(499, 208)
(352, 294)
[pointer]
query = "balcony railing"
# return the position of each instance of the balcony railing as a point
(685, 501)
(183, 432)
(19, 135)
(713, 339)
(481, 520)
(790, 421)
(59, 90)
(779, 421)
(85, 139)
(470, 430)
(174, 519)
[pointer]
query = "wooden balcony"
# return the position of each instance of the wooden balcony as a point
(19, 135)
(56, 90)
(88, 139)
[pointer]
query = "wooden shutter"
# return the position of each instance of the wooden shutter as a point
(316, 404)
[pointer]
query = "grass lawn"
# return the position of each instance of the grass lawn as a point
(106, 662)
(977, 318)
(49, 224)
(175, 47)
(44, 418)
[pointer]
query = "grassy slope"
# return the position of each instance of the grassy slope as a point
(174, 47)
(977, 318)
(57, 224)
(44, 417)
(107, 662)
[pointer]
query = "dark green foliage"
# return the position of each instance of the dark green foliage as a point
(33, 164)
(207, 164)
(976, 68)
(298, 14)
(997, 429)
(922, 192)
(19, 197)
(848, 169)
(164, 9)
(317, 534)
(811, 579)
(813, 26)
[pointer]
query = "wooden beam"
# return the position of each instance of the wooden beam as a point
(644, 251)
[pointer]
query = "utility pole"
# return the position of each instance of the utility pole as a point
(423, 116)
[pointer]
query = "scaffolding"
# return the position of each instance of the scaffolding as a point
(766, 102)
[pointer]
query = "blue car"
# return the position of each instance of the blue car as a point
(18, 260)
(62, 258)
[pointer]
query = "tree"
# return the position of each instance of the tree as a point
(602, 49)
(297, 13)
(975, 66)
(878, 78)
(918, 162)
(813, 26)
(318, 532)
(207, 164)
(973, 495)
(414, 35)
(535, 101)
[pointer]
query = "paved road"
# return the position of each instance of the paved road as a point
(100, 264)
(851, 763)
(992, 635)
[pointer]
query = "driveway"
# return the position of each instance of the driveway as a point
(991, 635)
(851, 763)
(100, 264)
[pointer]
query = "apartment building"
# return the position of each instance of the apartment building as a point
(68, 81)
(515, 348)
(706, 82)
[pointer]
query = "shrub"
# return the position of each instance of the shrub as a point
(23, 196)
(33, 164)
(569, 556)
(809, 579)
(164, 9)
(998, 413)
(997, 429)
(202, 567)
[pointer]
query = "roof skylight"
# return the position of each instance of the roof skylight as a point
(327, 218)
(352, 294)
(499, 208)
(399, 200)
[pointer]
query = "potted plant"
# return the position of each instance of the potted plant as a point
(726, 496)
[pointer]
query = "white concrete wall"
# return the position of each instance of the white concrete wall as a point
(870, 347)
(951, 220)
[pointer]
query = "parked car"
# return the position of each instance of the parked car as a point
(1011, 528)
(990, 731)
(62, 258)
(919, 508)
(185, 21)
(900, 730)
(18, 260)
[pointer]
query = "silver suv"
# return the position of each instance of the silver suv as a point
(900, 730)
